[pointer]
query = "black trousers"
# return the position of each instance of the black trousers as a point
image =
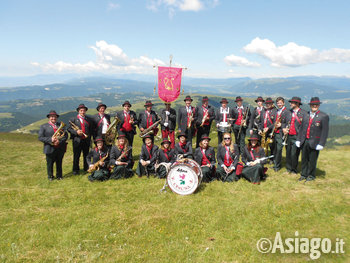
(240, 140)
(83, 146)
(130, 136)
(190, 134)
(278, 148)
(292, 154)
(308, 161)
(55, 157)
(205, 129)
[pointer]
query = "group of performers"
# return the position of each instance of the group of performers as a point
(270, 128)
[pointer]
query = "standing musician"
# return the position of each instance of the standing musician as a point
(128, 122)
(147, 118)
(168, 123)
(280, 128)
(241, 123)
(166, 155)
(259, 111)
(148, 157)
(204, 155)
(183, 147)
(228, 156)
(101, 121)
(121, 160)
(186, 121)
(99, 157)
(204, 115)
(224, 116)
(54, 144)
(80, 129)
(254, 169)
(298, 118)
(267, 123)
(313, 137)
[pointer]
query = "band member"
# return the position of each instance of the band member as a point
(254, 169)
(101, 121)
(241, 116)
(282, 116)
(128, 122)
(256, 116)
(80, 129)
(204, 155)
(148, 157)
(148, 118)
(228, 169)
(204, 115)
(54, 146)
(298, 118)
(267, 123)
(168, 123)
(100, 158)
(313, 138)
(224, 119)
(166, 156)
(186, 121)
(121, 160)
(183, 147)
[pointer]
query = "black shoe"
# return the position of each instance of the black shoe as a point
(294, 173)
(309, 178)
(75, 172)
(302, 178)
(59, 178)
(51, 179)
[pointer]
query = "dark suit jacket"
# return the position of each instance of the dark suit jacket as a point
(209, 153)
(95, 155)
(284, 119)
(171, 120)
(45, 135)
(222, 152)
(120, 115)
(97, 129)
(318, 130)
(88, 129)
(182, 118)
(115, 153)
(270, 121)
(304, 119)
(199, 115)
(162, 158)
(145, 155)
(219, 116)
(255, 118)
(246, 156)
(248, 116)
(142, 121)
(188, 148)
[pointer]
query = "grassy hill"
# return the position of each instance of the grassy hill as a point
(131, 221)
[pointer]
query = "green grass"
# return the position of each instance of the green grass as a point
(131, 221)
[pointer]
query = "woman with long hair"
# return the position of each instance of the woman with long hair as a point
(121, 165)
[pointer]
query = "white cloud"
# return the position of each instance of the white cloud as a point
(109, 58)
(233, 60)
(112, 6)
(190, 5)
(294, 55)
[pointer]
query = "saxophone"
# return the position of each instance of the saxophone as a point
(264, 143)
(96, 166)
(111, 132)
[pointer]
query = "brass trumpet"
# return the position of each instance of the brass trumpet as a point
(75, 127)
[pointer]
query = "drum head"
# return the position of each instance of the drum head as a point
(183, 179)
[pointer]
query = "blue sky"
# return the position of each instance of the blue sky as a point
(212, 38)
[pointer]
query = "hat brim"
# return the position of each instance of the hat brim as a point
(223, 101)
(253, 139)
(315, 103)
(126, 104)
(54, 114)
(101, 106)
(182, 135)
(169, 142)
(148, 105)
(205, 138)
(188, 99)
(269, 101)
(86, 108)
(259, 100)
(295, 101)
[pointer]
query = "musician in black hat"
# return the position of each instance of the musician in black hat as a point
(148, 157)
(186, 121)
(224, 119)
(204, 155)
(148, 118)
(128, 122)
(256, 116)
(312, 139)
(241, 116)
(54, 146)
(253, 170)
(183, 147)
(168, 123)
(166, 156)
(267, 123)
(121, 160)
(101, 121)
(80, 129)
(204, 115)
(100, 159)
(298, 118)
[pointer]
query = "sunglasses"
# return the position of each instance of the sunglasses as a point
(228, 138)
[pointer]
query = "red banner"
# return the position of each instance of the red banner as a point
(169, 83)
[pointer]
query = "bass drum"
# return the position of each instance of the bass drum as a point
(184, 176)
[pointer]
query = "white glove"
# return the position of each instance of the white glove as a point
(297, 144)
(167, 112)
(319, 147)
(166, 124)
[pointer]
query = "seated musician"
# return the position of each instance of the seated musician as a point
(229, 169)
(54, 146)
(204, 155)
(183, 147)
(121, 158)
(148, 157)
(166, 156)
(254, 169)
(99, 165)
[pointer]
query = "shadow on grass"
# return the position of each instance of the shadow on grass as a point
(320, 173)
